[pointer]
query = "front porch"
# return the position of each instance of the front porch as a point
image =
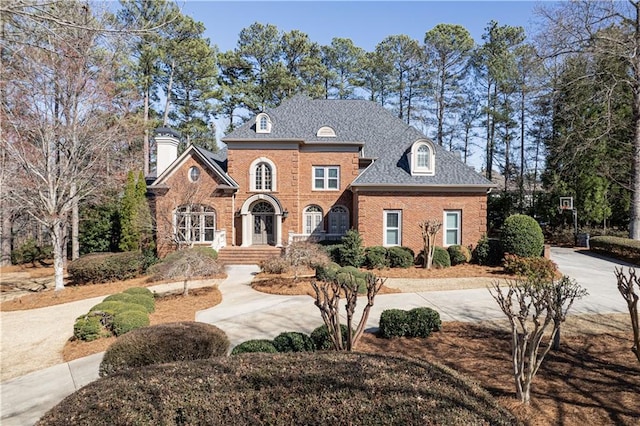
(247, 255)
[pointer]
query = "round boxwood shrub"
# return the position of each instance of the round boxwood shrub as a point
(162, 343)
(393, 323)
(400, 257)
(441, 258)
(322, 340)
(106, 267)
(459, 254)
(124, 322)
(139, 290)
(422, 321)
(148, 302)
(376, 257)
(522, 236)
(256, 345)
(327, 272)
(488, 251)
(113, 307)
(291, 341)
(87, 327)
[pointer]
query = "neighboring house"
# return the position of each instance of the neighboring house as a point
(312, 169)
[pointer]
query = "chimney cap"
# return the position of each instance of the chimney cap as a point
(166, 131)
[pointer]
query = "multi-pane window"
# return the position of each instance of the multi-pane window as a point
(422, 158)
(264, 123)
(326, 177)
(338, 220)
(263, 177)
(392, 228)
(312, 220)
(195, 223)
(451, 227)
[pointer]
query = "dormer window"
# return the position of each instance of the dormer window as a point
(422, 158)
(326, 132)
(263, 123)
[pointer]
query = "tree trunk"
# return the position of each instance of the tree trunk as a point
(440, 112)
(165, 118)
(75, 224)
(58, 241)
(146, 149)
(6, 237)
(634, 222)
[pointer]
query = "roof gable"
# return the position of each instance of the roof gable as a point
(215, 162)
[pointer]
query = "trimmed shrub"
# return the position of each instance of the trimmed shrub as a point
(400, 257)
(328, 272)
(418, 322)
(256, 345)
(291, 341)
(275, 265)
(284, 389)
(522, 236)
(393, 323)
(422, 321)
(530, 267)
(106, 267)
(148, 302)
(322, 340)
(487, 252)
(376, 257)
(459, 254)
(332, 249)
(124, 322)
(162, 343)
(623, 248)
(351, 251)
(87, 328)
(441, 258)
(345, 273)
(30, 252)
(139, 290)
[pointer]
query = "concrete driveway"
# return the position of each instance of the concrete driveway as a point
(246, 314)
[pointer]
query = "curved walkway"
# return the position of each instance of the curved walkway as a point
(246, 314)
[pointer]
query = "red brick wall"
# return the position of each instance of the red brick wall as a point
(417, 207)
(294, 182)
(183, 191)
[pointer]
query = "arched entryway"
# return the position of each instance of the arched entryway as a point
(261, 221)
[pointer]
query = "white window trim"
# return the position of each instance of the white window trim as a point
(305, 212)
(201, 216)
(325, 179)
(422, 171)
(258, 119)
(445, 229)
(326, 132)
(385, 243)
(252, 175)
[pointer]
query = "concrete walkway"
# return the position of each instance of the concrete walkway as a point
(246, 314)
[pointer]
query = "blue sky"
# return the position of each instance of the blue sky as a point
(365, 22)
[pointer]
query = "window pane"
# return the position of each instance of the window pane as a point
(333, 172)
(208, 235)
(452, 220)
(392, 220)
(392, 236)
(452, 237)
(333, 183)
(319, 184)
(319, 172)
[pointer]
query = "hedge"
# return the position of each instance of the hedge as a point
(459, 254)
(418, 322)
(124, 322)
(169, 342)
(623, 248)
(87, 328)
(322, 340)
(255, 345)
(106, 267)
(376, 257)
(400, 257)
(291, 341)
(441, 258)
(146, 301)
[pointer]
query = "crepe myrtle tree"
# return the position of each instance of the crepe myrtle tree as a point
(535, 309)
(629, 288)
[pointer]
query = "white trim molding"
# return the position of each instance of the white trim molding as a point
(423, 158)
(252, 175)
(263, 123)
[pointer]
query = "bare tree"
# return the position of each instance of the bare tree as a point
(328, 301)
(626, 287)
(58, 106)
(531, 306)
(186, 264)
(429, 229)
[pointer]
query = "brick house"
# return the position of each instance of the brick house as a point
(312, 169)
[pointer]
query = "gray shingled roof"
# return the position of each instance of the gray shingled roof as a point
(219, 161)
(385, 137)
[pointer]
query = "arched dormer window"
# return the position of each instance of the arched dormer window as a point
(262, 175)
(326, 132)
(422, 158)
(263, 123)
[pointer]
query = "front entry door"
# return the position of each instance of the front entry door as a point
(263, 218)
